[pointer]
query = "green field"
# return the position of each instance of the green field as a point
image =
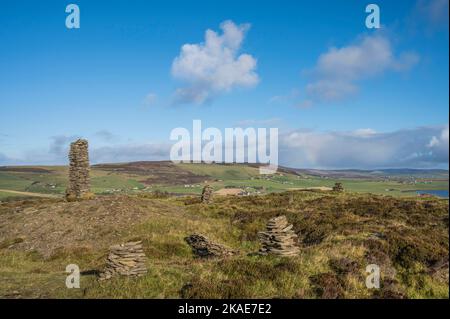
(248, 177)
(53, 180)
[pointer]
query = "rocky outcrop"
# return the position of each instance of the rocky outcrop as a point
(125, 260)
(279, 238)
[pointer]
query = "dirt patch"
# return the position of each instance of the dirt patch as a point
(29, 194)
(320, 188)
(46, 225)
(228, 191)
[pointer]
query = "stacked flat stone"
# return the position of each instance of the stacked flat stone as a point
(338, 187)
(125, 260)
(202, 247)
(79, 183)
(279, 238)
(207, 194)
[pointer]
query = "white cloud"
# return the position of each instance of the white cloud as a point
(339, 71)
(215, 66)
(439, 144)
(364, 132)
(434, 142)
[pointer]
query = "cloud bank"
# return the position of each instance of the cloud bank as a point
(338, 72)
(215, 66)
(421, 147)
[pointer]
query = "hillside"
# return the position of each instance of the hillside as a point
(339, 234)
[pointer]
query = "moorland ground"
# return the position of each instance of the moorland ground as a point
(378, 219)
(339, 235)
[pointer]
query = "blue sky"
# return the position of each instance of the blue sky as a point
(342, 96)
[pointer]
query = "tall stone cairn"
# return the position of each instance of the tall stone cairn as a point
(125, 260)
(338, 187)
(79, 183)
(279, 238)
(207, 194)
(202, 247)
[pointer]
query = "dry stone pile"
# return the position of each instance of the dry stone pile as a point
(207, 194)
(125, 260)
(79, 184)
(338, 187)
(279, 238)
(202, 247)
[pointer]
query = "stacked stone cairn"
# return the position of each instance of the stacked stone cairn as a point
(338, 187)
(79, 183)
(279, 238)
(125, 260)
(202, 247)
(207, 194)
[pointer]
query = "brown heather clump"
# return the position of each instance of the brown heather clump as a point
(327, 286)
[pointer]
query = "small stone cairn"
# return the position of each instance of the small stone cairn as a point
(79, 183)
(126, 260)
(202, 247)
(279, 238)
(338, 187)
(207, 194)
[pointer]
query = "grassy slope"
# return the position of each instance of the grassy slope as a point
(405, 235)
(276, 184)
(223, 172)
(220, 176)
(6, 195)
